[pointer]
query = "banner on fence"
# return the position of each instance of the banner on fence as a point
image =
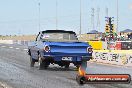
(113, 58)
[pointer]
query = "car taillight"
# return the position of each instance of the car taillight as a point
(89, 49)
(46, 48)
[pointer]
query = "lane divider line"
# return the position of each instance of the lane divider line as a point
(17, 48)
(3, 46)
(25, 49)
(11, 47)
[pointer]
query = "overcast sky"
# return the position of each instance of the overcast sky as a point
(21, 16)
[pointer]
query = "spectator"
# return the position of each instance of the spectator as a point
(129, 36)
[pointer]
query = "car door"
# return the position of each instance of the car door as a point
(35, 47)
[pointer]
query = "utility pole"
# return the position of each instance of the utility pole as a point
(39, 14)
(98, 22)
(107, 12)
(56, 14)
(117, 16)
(98, 19)
(92, 19)
(80, 17)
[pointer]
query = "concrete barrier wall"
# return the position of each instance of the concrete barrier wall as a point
(6, 41)
(96, 45)
(114, 57)
(24, 42)
(104, 45)
(118, 45)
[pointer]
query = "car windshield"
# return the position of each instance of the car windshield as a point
(59, 36)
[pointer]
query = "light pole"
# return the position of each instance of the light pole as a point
(39, 14)
(56, 14)
(117, 16)
(80, 17)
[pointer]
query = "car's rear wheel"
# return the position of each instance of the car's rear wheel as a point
(32, 62)
(42, 63)
(77, 66)
(67, 66)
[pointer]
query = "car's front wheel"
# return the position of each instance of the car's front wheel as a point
(42, 63)
(32, 62)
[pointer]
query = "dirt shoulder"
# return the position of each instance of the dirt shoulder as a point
(3, 85)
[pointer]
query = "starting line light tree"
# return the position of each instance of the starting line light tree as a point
(110, 28)
(107, 28)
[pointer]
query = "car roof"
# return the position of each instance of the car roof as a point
(58, 31)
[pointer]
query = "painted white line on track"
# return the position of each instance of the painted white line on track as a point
(25, 49)
(17, 48)
(11, 47)
(3, 46)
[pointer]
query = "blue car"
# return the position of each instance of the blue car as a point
(58, 47)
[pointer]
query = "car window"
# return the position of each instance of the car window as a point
(60, 36)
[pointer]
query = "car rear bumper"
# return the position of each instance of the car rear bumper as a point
(72, 58)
